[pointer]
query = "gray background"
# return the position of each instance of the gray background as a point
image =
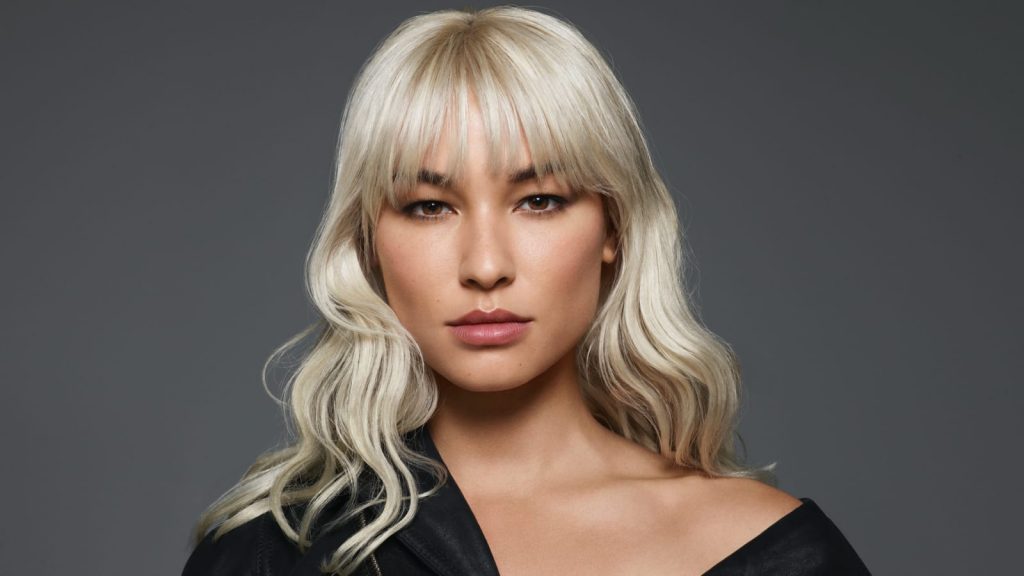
(848, 176)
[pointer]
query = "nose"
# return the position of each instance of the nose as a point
(486, 257)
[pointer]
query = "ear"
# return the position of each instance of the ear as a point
(611, 238)
(611, 248)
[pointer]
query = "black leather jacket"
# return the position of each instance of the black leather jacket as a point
(444, 539)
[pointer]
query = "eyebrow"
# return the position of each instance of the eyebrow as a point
(440, 180)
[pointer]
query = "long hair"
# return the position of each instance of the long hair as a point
(650, 371)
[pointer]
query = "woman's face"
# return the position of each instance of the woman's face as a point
(493, 241)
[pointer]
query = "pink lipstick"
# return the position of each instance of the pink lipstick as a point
(479, 328)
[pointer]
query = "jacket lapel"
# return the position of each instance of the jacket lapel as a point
(444, 534)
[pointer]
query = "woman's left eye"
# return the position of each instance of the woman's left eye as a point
(543, 203)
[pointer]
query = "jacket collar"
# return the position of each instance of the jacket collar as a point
(444, 533)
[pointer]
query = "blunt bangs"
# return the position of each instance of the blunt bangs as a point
(523, 91)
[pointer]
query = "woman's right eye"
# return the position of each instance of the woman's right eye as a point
(426, 209)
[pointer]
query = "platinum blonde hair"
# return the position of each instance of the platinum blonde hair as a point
(649, 369)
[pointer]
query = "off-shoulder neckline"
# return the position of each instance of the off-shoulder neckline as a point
(807, 509)
(781, 526)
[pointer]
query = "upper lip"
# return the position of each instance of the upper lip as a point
(493, 317)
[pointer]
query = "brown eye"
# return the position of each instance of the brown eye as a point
(543, 204)
(539, 202)
(431, 208)
(426, 209)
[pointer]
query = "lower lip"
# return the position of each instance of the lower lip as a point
(490, 334)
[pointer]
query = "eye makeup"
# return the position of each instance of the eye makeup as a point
(551, 204)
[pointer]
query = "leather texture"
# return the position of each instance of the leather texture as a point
(444, 539)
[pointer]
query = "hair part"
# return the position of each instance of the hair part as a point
(650, 370)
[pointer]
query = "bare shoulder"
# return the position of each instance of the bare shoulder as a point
(719, 515)
(747, 501)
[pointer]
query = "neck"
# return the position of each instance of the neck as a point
(511, 441)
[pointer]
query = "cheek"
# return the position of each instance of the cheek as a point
(568, 266)
(408, 270)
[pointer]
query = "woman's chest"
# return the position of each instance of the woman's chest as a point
(594, 537)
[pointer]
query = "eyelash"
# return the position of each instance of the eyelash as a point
(558, 201)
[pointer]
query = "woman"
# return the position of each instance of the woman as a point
(499, 275)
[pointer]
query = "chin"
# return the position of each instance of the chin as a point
(477, 386)
(491, 377)
(496, 369)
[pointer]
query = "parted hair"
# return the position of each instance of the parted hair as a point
(649, 369)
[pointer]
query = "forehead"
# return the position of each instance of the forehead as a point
(516, 164)
(444, 130)
(466, 137)
(478, 142)
(516, 176)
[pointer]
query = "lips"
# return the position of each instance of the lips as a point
(494, 328)
(495, 316)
